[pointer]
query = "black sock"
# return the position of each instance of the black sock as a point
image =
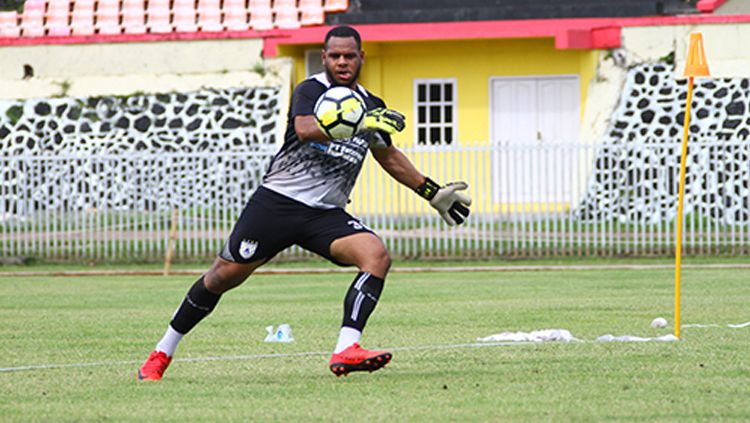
(361, 300)
(198, 303)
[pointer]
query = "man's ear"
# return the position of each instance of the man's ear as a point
(323, 57)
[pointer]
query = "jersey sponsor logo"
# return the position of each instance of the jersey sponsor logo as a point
(353, 153)
(247, 248)
(345, 152)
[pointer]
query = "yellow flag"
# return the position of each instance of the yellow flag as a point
(696, 60)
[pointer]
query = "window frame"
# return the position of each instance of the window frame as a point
(442, 125)
(308, 62)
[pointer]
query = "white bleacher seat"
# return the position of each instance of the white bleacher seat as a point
(133, 17)
(238, 4)
(32, 19)
(184, 18)
(85, 4)
(284, 4)
(179, 4)
(287, 18)
(209, 18)
(261, 15)
(209, 4)
(159, 17)
(261, 19)
(312, 12)
(58, 16)
(82, 22)
(158, 4)
(336, 5)
(35, 5)
(259, 4)
(108, 17)
(235, 19)
(9, 24)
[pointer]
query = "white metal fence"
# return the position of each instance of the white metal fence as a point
(529, 201)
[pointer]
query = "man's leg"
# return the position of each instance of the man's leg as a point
(367, 252)
(199, 301)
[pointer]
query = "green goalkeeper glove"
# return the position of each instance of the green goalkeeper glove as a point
(452, 205)
(382, 119)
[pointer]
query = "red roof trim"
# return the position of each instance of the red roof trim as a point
(708, 6)
(135, 38)
(585, 33)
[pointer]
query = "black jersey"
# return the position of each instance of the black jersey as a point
(320, 174)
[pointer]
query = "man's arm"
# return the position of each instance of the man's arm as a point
(398, 166)
(452, 205)
(379, 119)
(307, 129)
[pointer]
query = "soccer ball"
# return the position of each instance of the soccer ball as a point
(339, 112)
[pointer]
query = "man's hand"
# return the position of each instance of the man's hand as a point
(386, 120)
(452, 205)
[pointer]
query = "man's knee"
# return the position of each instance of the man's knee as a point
(219, 282)
(225, 275)
(378, 262)
(384, 259)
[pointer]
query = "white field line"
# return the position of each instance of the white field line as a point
(716, 325)
(511, 268)
(252, 356)
(308, 354)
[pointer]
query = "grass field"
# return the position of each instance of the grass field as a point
(426, 317)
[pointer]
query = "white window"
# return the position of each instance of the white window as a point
(435, 111)
(313, 61)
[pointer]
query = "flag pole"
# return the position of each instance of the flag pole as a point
(696, 66)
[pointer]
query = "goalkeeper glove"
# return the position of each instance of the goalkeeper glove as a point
(382, 119)
(452, 205)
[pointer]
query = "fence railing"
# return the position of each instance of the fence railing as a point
(533, 200)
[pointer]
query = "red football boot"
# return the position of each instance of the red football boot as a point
(154, 367)
(356, 359)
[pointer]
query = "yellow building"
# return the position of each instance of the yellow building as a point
(467, 58)
(480, 96)
(468, 84)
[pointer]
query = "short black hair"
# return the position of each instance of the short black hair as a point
(343, 31)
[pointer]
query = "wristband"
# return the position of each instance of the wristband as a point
(428, 189)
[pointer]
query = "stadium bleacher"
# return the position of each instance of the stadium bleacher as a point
(414, 11)
(61, 18)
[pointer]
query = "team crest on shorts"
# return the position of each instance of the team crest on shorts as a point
(357, 225)
(247, 248)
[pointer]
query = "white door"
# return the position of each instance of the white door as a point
(532, 119)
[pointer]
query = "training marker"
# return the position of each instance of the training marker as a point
(696, 66)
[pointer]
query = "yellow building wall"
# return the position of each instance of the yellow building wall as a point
(390, 69)
(389, 72)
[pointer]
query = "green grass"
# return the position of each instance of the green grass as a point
(316, 263)
(119, 319)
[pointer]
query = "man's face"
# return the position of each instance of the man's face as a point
(342, 60)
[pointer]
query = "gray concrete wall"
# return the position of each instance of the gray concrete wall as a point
(125, 68)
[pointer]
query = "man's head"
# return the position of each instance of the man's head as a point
(343, 55)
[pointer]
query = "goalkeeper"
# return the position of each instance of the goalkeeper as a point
(301, 202)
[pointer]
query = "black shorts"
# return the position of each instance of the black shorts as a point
(272, 222)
